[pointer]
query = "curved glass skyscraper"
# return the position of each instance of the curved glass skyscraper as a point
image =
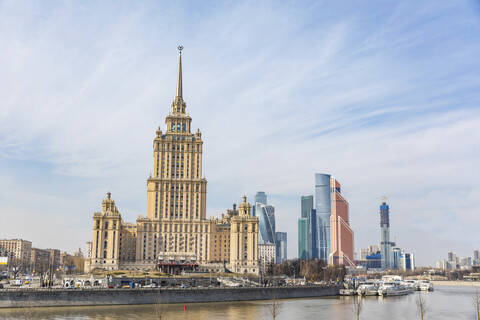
(266, 225)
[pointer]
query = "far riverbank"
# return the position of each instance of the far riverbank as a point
(456, 283)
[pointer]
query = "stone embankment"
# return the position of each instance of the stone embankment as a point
(95, 297)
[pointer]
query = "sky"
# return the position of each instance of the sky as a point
(383, 95)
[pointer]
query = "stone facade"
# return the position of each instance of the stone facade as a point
(175, 229)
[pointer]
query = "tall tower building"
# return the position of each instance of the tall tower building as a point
(177, 191)
(304, 234)
(303, 238)
(342, 251)
(261, 197)
(175, 233)
(385, 244)
(266, 223)
(323, 212)
(313, 239)
(281, 246)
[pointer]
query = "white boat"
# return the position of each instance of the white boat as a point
(425, 285)
(368, 289)
(414, 284)
(348, 292)
(394, 289)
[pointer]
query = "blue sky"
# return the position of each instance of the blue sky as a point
(383, 95)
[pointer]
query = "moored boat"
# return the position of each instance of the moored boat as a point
(425, 285)
(368, 289)
(394, 289)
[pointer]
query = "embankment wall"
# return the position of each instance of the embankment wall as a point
(89, 297)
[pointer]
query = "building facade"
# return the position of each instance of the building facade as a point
(18, 249)
(175, 230)
(323, 214)
(40, 259)
(266, 256)
(341, 251)
(304, 232)
(303, 238)
(281, 246)
(266, 218)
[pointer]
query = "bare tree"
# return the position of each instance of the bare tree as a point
(275, 306)
(357, 306)
(421, 302)
(160, 308)
(27, 308)
(476, 302)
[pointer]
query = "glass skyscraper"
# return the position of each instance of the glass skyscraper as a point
(261, 197)
(281, 246)
(303, 238)
(323, 213)
(266, 223)
(305, 233)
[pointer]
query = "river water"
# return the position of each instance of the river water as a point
(444, 303)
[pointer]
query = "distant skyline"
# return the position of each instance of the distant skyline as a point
(384, 96)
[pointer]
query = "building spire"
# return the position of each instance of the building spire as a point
(179, 77)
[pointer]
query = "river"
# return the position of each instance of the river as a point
(446, 302)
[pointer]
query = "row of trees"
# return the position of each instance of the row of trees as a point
(43, 267)
(311, 269)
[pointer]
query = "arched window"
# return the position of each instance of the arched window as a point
(106, 225)
(184, 127)
(105, 254)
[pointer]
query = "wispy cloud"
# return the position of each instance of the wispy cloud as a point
(383, 96)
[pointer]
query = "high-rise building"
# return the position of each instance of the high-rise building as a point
(385, 244)
(342, 251)
(304, 231)
(453, 260)
(175, 233)
(261, 197)
(466, 262)
(281, 246)
(476, 258)
(266, 223)
(303, 238)
(313, 240)
(323, 213)
(306, 206)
